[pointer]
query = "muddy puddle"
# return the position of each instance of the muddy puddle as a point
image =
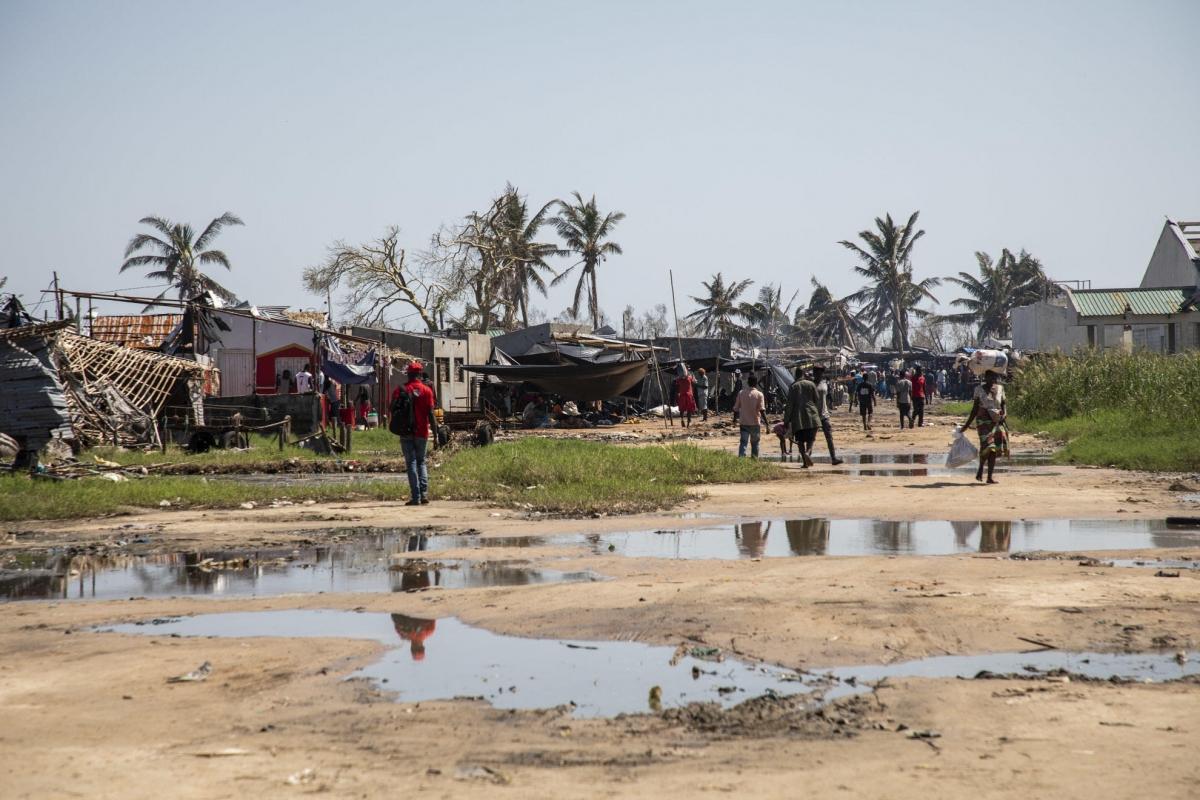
(861, 537)
(367, 564)
(443, 659)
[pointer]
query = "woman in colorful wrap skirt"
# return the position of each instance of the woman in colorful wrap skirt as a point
(989, 408)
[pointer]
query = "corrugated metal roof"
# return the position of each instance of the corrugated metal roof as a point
(137, 330)
(1113, 302)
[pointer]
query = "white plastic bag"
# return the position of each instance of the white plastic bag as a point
(961, 450)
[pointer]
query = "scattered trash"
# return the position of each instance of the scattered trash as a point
(249, 506)
(655, 699)
(926, 734)
(200, 673)
(1162, 573)
(164, 503)
(307, 775)
(707, 653)
(482, 773)
(228, 751)
(1037, 642)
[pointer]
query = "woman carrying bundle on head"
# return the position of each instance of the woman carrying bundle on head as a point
(988, 407)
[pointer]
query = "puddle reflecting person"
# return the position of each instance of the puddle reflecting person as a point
(807, 537)
(748, 409)
(412, 421)
(415, 631)
(989, 408)
(801, 415)
(995, 536)
(752, 539)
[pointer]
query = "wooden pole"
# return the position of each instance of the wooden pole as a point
(675, 312)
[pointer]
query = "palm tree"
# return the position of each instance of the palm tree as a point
(768, 320)
(179, 256)
(1002, 285)
(1032, 283)
(584, 231)
(717, 311)
(525, 255)
(891, 296)
(829, 321)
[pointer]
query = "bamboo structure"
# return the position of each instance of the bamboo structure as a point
(116, 394)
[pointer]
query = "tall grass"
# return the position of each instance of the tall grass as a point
(1132, 410)
(1155, 386)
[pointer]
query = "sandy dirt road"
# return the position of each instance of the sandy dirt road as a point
(89, 713)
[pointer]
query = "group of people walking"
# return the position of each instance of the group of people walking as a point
(809, 403)
(807, 411)
(910, 391)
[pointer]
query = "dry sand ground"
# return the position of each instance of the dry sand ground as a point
(90, 714)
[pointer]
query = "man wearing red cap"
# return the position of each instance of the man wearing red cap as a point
(414, 429)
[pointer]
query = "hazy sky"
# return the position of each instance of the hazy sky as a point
(745, 137)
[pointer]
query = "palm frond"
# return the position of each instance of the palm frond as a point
(214, 228)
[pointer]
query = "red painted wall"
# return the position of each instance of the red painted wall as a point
(265, 367)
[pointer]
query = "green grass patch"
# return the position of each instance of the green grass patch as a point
(955, 408)
(553, 476)
(1122, 439)
(22, 497)
(1130, 410)
(581, 477)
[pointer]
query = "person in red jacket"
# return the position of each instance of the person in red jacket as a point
(415, 431)
(918, 398)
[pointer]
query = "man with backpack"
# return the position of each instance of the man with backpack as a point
(413, 421)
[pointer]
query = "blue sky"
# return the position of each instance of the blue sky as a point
(742, 137)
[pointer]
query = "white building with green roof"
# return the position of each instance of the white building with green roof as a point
(1160, 315)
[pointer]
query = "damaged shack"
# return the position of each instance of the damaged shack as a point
(60, 386)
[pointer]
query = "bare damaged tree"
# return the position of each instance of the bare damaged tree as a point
(377, 277)
(470, 256)
(495, 257)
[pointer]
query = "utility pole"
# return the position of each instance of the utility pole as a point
(58, 302)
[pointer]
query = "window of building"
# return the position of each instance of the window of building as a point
(443, 370)
(459, 372)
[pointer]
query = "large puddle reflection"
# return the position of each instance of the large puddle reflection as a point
(862, 537)
(399, 561)
(378, 563)
(443, 659)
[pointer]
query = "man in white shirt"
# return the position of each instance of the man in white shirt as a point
(304, 380)
(749, 407)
